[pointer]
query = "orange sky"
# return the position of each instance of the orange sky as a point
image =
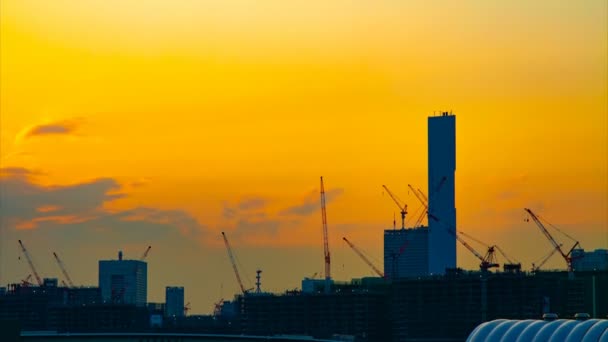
(222, 115)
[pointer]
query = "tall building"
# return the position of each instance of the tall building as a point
(174, 301)
(406, 252)
(590, 261)
(123, 281)
(442, 206)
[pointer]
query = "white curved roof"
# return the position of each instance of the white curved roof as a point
(568, 330)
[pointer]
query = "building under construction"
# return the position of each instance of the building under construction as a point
(444, 307)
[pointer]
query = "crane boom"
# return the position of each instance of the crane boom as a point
(556, 246)
(423, 200)
(233, 262)
(325, 237)
(418, 195)
(486, 262)
(402, 207)
(143, 257)
(544, 260)
(29, 261)
(509, 260)
(367, 261)
(426, 200)
(63, 270)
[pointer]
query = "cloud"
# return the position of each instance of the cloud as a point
(18, 172)
(312, 203)
(249, 217)
(252, 203)
(62, 127)
(29, 206)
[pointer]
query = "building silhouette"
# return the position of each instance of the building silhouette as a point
(419, 251)
(174, 301)
(441, 182)
(123, 281)
(406, 252)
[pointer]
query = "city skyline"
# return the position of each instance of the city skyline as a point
(164, 124)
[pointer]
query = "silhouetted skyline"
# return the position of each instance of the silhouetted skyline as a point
(125, 125)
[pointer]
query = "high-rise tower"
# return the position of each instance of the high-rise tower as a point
(123, 281)
(442, 168)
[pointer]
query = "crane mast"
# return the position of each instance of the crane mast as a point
(325, 237)
(567, 256)
(63, 270)
(362, 256)
(402, 207)
(29, 261)
(233, 262)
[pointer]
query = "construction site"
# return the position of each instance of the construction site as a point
(420, 292)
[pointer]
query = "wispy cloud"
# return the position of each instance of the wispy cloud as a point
(60, 127)
(252, 203)
(311, 203)
(28, 205)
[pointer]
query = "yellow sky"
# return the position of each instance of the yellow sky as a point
(202, 106)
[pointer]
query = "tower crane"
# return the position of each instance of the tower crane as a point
(509, 265)
(29, 261)
(63, 270)
(544, 259)
(367, 261)
(233, 262)
(145, 255)
(325, 240)
(398, 202)
(487, 261)
(26, 282)
(567, 256)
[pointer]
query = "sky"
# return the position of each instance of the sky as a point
(131, 123)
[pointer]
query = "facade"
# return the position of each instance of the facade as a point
(449, 307)
(406, 252)
(442, 206)
(361, 316)
(123, 281)
(174, 301)
(590, 261)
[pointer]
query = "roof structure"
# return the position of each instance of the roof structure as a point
(566, 330)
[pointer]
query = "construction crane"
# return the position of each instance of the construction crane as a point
(217, 307)
(423, 200)
(509, 260)
(490, 257)
(233, 262)
(567, 256)
(367, 261)
(398, 202)
(510, 264)
(543, 260)
(143, 257)
(29, 261)
(325, 239)
(26, 282)
(487, 261)
(63, 270)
